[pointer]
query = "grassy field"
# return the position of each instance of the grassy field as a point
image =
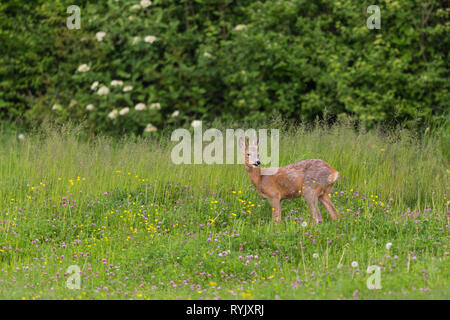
(140, 227)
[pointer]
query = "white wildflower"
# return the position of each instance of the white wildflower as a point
(127, 88)
(90, 107)
(136, 7)
(140, 107)
(155, 106)
(315, 255)
(103, 91)
(124, 111)
(150, 39)
(175, 114)
(145, 3)
(150, 128)
(100, 35)
(56, 106)
(207, 54)
(113, 114)
(196, 123)
(240, 27)
(388, 245)
(355, 264)
(21, 136)
(116, 83)
(83, 68)
(94, 85)
(304, 224)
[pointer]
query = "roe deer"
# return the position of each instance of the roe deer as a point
(312, 178)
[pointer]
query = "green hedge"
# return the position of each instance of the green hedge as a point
(224, 59)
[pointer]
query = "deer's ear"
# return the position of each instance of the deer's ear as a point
(242, 143)
(256, 142)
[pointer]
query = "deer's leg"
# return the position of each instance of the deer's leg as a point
(326, 201)
(312, 200)
(276, 209)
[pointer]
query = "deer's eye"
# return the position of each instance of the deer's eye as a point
(248, 154)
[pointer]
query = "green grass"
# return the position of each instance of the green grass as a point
(140, 227)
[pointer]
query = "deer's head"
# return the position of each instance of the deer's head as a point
(251, 154)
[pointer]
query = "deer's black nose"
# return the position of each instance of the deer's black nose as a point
(258, 162)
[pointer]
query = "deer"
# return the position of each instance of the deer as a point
(312, 179)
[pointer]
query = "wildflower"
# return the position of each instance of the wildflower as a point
(315, 255)
(140, 107)
(196, 123)
(388, 245)
(355, 264)
(150, 39)
(90, 107)
(145, 3)
(207, 54)
(155, 106)
(240, 27)
(150, 128)
(116, 83)
(100, 35)
(94, 85)
(304, 224)
(103, 91)
(136, 7)
(21, 136)
(124, 111)
(56, 106)
(175, 114)
(83, 68)
(127, 88)
(113, 114)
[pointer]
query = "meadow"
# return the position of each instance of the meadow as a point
(140, 227)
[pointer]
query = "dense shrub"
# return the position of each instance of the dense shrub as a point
(230, 59)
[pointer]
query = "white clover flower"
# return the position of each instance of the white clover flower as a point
(136, 40)
(113, 114)
(315, 255)
(136, 7)
(90, 107)
(127, 88)
(304, 224)
(56, 106)
(83, 68)
(100, 35)
(124, 111)
(207, 54)
(175, 114)
(150, 128)
(388, 245)
(21, 136)
(94, 85)
(196, 123)
(355, 264)
(140, 107)
(116, 83)
(240, 27)
(103, 91)
(155, 106)
(150, 39)
(145, 3)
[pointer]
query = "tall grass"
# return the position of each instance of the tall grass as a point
(140, 226)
